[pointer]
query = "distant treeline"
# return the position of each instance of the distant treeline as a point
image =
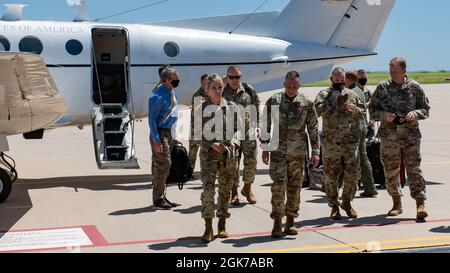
(423, 77)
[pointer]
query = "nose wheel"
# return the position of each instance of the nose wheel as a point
(8, 175)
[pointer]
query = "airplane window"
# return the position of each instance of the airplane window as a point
(4, 44)
(171, 49)
(31, 44)
(74, 47)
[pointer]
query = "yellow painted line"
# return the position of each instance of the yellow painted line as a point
(363, 244)
(402, 247)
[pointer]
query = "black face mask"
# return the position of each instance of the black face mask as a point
(175, 83)
(353, 86)
(338, 86)
(362, 82)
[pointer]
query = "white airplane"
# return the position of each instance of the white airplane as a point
(76, 73)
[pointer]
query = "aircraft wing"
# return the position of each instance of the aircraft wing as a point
(29, 98)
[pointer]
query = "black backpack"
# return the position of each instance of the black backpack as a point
(373, 152)
(181, 170)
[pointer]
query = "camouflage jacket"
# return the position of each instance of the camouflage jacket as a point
(224, 134)
(368, 95)
(363, 96)
(201, 94)
(295, 117)
(246, 95)
(390, 97)
(339, 125)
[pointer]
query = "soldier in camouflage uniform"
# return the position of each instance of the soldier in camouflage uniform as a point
(244, 95)
(217, 158)
(366, 167)
(194, 145)
(400, 104)
(341, 110)
(362, 82)
(287, 160)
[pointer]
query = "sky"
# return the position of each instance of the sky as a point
(418, 30)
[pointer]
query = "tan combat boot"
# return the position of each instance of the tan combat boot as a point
(209, 233)
(397, 209)
(335, 214)
(422, 214)
(277, 231)
(235, 196)
(290, 227)
(347, 207)
(223, 234)
(247, 192)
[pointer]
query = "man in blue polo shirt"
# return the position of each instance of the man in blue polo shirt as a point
(163, 117)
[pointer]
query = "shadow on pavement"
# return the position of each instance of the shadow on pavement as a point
(192, 210)
(321, 199)
(442, 229)
(245, 242)
(376, 221)
(187, 242)
(134, 211)
(20, 203)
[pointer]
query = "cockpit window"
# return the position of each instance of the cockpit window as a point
(31, 44)
(74, 47)
(4, 44)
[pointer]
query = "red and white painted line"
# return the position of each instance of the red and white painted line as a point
(76, 238)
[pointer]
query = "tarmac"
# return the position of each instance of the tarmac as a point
(63, 203)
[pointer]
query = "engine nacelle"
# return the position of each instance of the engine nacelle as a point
(29, 98)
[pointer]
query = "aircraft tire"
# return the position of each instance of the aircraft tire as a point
(5, 185)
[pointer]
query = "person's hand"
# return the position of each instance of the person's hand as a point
(316, 161)
(351, 108)
(218, 148)
(158, 148)
(266, 158)
(411, 117)
(336, 94)
(390, 117)
(371, 125)
(176, 142)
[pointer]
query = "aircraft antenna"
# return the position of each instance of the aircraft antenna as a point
(129, 11)
(248, 17)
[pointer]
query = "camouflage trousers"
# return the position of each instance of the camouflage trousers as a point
(391, 154)
(212, 168)
(341, 160)
(366, 167)
(161, 164)
(194, 147)
(287, 175)
(248, 150)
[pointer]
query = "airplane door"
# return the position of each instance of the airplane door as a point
(113, 111)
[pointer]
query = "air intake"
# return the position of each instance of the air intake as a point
(81, 13)
(13, 12)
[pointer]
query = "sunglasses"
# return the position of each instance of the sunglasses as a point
(234, 77)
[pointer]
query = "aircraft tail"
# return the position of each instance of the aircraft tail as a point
(343, 23)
